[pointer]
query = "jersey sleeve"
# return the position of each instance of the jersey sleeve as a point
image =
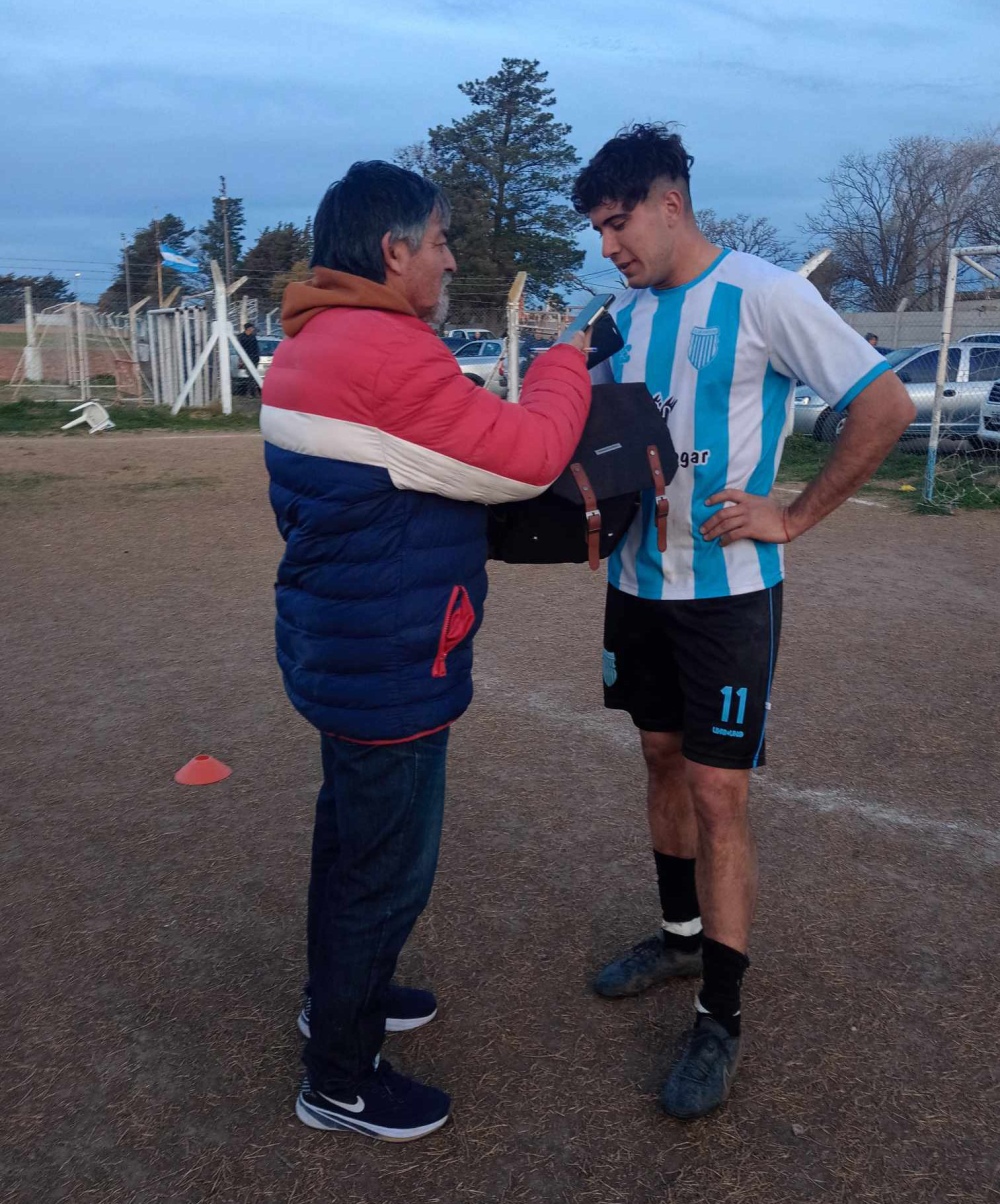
(808, 341)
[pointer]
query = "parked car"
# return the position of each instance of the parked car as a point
(482, 361)
(469, 334)
(989, 418)
(988, 336)
(809, 405)
(267, 345)
(972, 369)
(454, 344)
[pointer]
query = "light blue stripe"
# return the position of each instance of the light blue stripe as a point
(863, 383)
(774, 399)
(711, 433)
(659, 374)
(624, 323)
(770, 679)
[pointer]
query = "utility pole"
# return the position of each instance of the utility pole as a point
(224, 198)
(128, 275)
(159, 264)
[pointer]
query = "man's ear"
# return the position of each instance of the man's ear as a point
(395, 256)
(672, 202)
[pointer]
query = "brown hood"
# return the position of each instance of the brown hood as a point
(327, 289)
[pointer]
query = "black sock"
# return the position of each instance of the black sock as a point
(678, 899)
(720, 990)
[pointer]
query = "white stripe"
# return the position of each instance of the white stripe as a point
(409, 465)
(745, 441)
(635, 370)
(686, 928)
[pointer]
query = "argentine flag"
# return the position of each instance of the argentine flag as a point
(178, 262)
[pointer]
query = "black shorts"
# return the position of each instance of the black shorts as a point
(703, 668)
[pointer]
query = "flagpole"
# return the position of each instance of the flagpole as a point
(159, 265)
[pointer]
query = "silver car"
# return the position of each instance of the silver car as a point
(989, 418)
(483, 363)
(972, 370)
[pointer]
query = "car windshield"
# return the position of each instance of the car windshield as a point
(895, 358)
(268, 346)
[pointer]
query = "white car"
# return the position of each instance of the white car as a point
(469, 334)
(266, 345)
(483, 363)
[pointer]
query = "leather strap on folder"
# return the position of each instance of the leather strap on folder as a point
(593, 514)
(662, 505)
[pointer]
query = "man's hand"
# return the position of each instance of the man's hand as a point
(581, 341)
(746, 516)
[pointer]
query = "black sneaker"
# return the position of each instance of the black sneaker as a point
(702, 1076)
(408, 1009)
(387, 1106)
(649, 962)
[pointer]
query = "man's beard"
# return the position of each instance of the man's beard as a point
(440, 311)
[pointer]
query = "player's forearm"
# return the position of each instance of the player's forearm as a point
(875, 421)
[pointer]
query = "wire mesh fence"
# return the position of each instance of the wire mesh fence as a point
(963, 440)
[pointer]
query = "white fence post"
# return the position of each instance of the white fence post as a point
(513, 336)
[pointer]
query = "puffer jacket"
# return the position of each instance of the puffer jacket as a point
(381, 455)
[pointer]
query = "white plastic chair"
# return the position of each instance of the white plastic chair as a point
(94, 414)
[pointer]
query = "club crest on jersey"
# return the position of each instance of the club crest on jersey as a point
(704, 345)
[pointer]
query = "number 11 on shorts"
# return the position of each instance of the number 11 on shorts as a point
(727, 703)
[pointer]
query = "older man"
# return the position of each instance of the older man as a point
(381, 456)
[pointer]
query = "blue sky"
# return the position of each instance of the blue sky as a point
(112, 110)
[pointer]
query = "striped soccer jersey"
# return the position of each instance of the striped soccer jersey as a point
(720, 356)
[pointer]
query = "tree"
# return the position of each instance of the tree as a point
(507, 168)
(273, 256)
(143, 256)
(211, 236)
(755, 235)
(46, 291)
(893, 217)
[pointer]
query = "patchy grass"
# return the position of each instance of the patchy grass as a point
(46, 417)
(966, 480)
(804, 457)
(23, 482)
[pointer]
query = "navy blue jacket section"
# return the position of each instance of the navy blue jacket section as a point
(379, 595)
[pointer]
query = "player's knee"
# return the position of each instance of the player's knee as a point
(662, 754)
(720, 802)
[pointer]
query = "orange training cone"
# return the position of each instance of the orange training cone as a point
(202, 770)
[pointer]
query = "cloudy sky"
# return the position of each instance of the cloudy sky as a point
(113, 110)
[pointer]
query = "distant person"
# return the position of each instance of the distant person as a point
(381, 456)
(248, 341)
(873, 340)
(691, 634)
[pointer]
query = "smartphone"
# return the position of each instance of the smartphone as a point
(591, 313)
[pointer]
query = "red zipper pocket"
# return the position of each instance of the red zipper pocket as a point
(459, 619)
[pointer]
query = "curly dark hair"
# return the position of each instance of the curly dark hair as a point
(625, 167)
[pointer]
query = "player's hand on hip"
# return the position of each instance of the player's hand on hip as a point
(745, 516)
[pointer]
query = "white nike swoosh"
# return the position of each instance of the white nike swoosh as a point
(358, 1106)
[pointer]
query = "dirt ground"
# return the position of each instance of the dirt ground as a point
(151, 934)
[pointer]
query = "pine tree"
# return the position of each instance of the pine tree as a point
(507, 169)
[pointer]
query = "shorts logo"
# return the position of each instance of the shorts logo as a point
(704, 345)
(609, 667)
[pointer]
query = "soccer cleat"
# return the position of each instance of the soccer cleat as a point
(703, 1074)
(649, 962)
(387, 1106)
(408, 1009)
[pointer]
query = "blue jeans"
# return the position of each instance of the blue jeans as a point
(375, 849)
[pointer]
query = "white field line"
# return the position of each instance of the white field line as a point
(969, 840)
(979, 843)
(856, 500)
